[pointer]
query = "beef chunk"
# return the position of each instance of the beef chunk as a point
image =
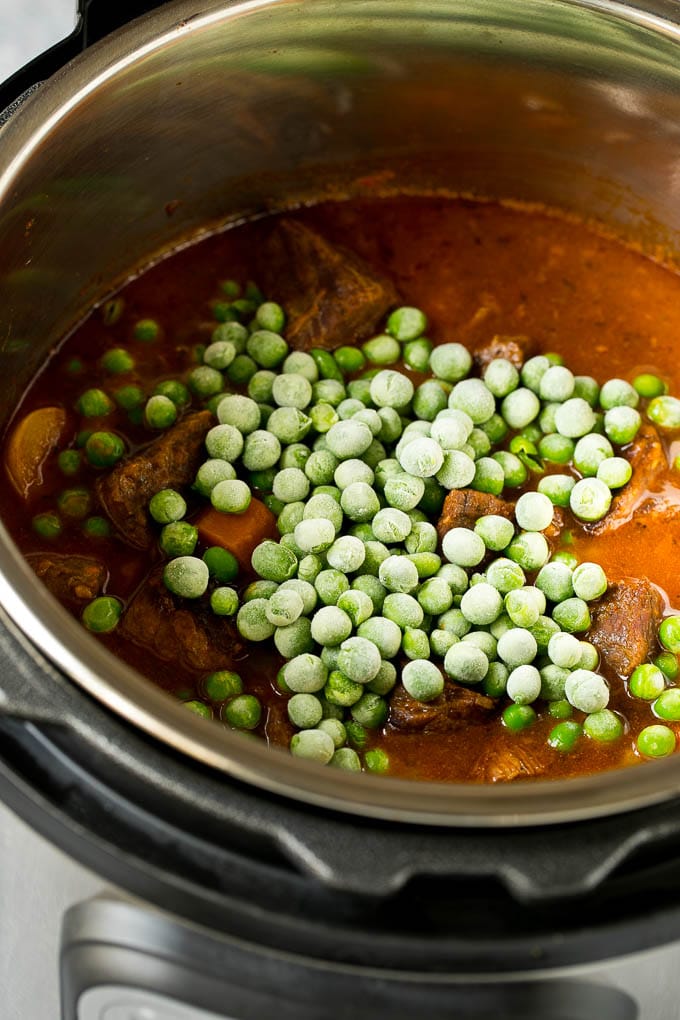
(177, 630)
(625, 624)
(169, 462)
(71, 579)
(502, 764)
(513, 348)
(648, 461)
(457, 706)
(463, 508)
(331, 296)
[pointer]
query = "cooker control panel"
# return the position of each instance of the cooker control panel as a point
(114, 1002)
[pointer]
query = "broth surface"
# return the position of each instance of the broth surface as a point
(476, 269)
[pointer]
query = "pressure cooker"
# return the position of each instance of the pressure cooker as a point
(152, 866)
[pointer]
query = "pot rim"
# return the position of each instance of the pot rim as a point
(116, 685)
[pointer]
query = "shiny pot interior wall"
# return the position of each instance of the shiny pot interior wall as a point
(189, 118)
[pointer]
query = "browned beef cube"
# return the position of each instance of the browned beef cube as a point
(179, 631)
(169, 462)
(330, 295)
(625, 624)
(71, 579)
(648, 460)
(457, 706)
(503, 764)
(513, 348)
(463, 508)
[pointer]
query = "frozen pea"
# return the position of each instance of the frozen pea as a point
(524, 606)
(575, 418)
(346, 554)
(166, 506)
(333, 727)
(587, 388)
(615, 472)
(423, 457)
(273, 562)
(450, 362)
(260, 590)
(231, 497)
(320, 467)
(557, 384)
(621, 424)
(524, 684)
(291, 485)
(384, 680)
(304, 589)
(240, 412)
(399, 574)
(429, 399)
(313, 745)
(441, 641)
(586, 691)
(266, 347)
(452, 429)
(533, 371)
(590, 657)
(517, 647)
(422, 680)
(501, 626)
(466, 663)
(543, 630)
(346, 758)
(572, 615)
(375, 554)
(520, 408)
(288, 424)
(224, 442)
(619, 393)
(534, 511)
(457, 471)
(553, 682)
(284, 607)
(252, 622)
(435, 596)
(330, 585)
(463, 547)
(557, 488)
(454, 622)
(359, 502)
(505, 575)
(352, 470)
(473, 398)
(314, 535)
(483, 640)
(292, 390)
(555, 581)
(304, 711)
(556, 448)
(404, 491)
(348, 407)
(481, 604)
(390, 424)
(590, 499)
(348, 439)
(455, 577)
(359, 659)
(415, 643)
(325, 504)
(261, 450)
(603, 726)
(391, 389)
(416, 354)
(422, 538)
(501, 377)
(384, 633)
(590, 452)
(403, 609)
(301, 363)
(589, 581)
(489, 476)
(371, 586)
(530, 550)
(514, 471)
(564, 650)
(305, 673)
(391, 525)
(331, 626)
(357, 604)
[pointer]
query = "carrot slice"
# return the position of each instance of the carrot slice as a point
(29, 445)
(239, 533)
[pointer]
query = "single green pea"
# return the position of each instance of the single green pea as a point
(243, 712)
(669, 634)
(146, 330)
(221, 563)
(102, 614)
(646, 682)
(130, 398)
(47, 525)
(222, 685)
(94, 403)
(561, 709)
(668, 664)
(667, 705)
(518, 717)
(198, 708)
(160, 412)
(656, 741)
(96, 527)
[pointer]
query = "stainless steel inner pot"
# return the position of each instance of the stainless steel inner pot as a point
(203, 113)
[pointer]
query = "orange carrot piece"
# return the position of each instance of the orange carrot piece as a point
(29, 445)
(239, 533)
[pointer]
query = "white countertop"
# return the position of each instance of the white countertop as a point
(27, 27)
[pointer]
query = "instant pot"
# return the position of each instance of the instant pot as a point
(157, 867)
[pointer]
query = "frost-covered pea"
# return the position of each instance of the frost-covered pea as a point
(423, 457)
(359, 659)
(284, 607)
(224, 442)
(391, 525)
(514, 471)
(621, 424)
(435, 596)
(517, 647)
(252, 622)
(619, 393)
(352, 470)
(590, 452)
(483, 640)
(553, 681)
(505, 575)
(489, 476)
(371, 586)
(404, 491)
(530, 550)
(603, 726)
(323, 417)
(615, 472)
(406, 323)
(391, 389)
(555, 581)
(292, 390)
(590, 657)
(664, 411)
(557, 488)
(231, 497)
(543, 630)
(572, 615)
(533, 371)
(501, 626)
(314, 535)
(340, 690)
(463, 547)
(415, 644)
(452, 429)
(590, 499)
(390, 424)
(534, 511)
(523, 684)
(273, 561)
(219, 355)
(586, 691)
(589, 581)
(398, 573)
(167, 506)
(457, 470)
(346, 758)
(295, 456)
(346, 554)
(291, 485)
(473, 398)
(496, 679)
(186, 576)
(240, 412)
(524, 606)
(320, 467)
(466, 663)
(328, 391)
(501, 377)
(587, 388)
(261, 450)
(416, 354)
(349, 407)
(304, 711)
(301, 363)
(330, 585)
(450, 362)
(422, 538)
(331, 626)
(371, 418)
(429, 399)
(557, 384)
(496, 532)
(386, 469)
(313, 745)
(403, 609)
(455, 577)
(304, 589)
(454, 622)
(520, 408)
(289, 424)
(575, 418)
(348, 439)
(564, 650)
(375, 554)
(384, 680)
(441, 641)
(357, 604)
(333, 727)
(210, 473)
(481, 604)
(359, 502)
(556, 448)
(260, 386)
(324, 504)
(384, 633)
(422, 680)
